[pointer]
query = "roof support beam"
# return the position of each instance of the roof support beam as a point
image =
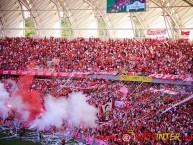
(190, 2)
(27, 5)
(101, 13)
(168, 11)
(2, 33)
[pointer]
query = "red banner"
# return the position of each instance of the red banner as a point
(156, 32)
(172, 77)
(166, 91)
(46, 74)
(55, 74)
(185, 34)
(84, 74)
(105, 73)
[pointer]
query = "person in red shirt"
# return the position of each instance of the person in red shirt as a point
(63, 141)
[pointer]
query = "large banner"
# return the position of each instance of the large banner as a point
(55, 74)
(102, 74)
(135, 78)
(45, 74)
(117, 6)
(165, 91)
(172, 77)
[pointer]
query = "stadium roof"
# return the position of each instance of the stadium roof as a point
(88, 18)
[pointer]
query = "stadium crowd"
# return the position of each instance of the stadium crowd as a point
(138, 109)
(122, 106)
(142, 57)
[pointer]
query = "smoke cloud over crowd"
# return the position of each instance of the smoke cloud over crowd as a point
(26, 106)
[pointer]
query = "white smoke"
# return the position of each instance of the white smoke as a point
(74, 110)
(20, 108)
(4, 97)
(9, 103)
(81, 113)
(55, 113)
(13, 85)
